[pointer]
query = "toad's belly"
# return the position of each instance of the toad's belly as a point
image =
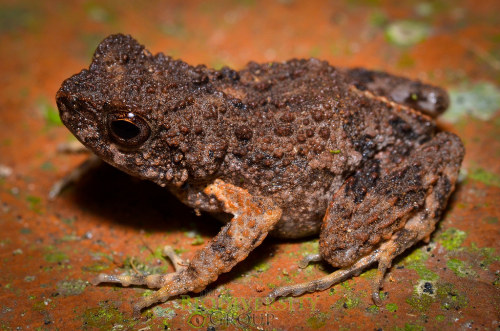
(291, 225)
(303, 208)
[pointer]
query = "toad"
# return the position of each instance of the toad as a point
(288, 149)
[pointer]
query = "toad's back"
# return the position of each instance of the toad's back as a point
(300, 128)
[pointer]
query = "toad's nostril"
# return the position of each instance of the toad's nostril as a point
(69, 104)
(64, 103)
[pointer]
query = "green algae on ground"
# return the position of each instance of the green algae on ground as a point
(71, 287)
(168, 313)
(487, 254)
(452, 238)
(198, 240)
(54, 256)
(96, 267)
(318, 320)
(13, 18)
(480, 100)
(98, 13)
(369, 274)
(350, 298)
(373, 309)
(416, 261)
(350, 301)
(157, 254)
(496, 282)
(491, 219)
(49, 112)
(410, 327)
(484, 176)
(133, 265)
(69, 220)
(29, 279)
(378, 18)
(105, 317)
(34, 203)
(460, 268)
(346, 285)
(44, 305)
(420, 302)
(262, 267)
(424, 294)
(450, 298)
(224, 309)
(25, 231)
(392, 307)
(407, 32)
(406, 61)
(47, 166)
(443, 293)
(309, 247)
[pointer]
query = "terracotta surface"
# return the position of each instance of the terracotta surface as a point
(113, 223)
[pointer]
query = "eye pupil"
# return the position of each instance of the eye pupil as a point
(125, 129)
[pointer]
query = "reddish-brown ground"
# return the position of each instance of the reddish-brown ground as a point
(113, 223)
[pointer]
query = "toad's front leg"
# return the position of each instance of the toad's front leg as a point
(253, 218)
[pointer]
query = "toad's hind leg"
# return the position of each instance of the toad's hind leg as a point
(382, 210)
(253, 218)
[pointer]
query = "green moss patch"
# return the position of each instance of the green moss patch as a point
(484, 176)
(416, 261)
(317, 321)
(452, 239)
(55, 256)
(480, 100)
(487, 255)
(451, 298)
(71, 287)
(460, 268)
(392, 307)
(105, 317)
(407, 32)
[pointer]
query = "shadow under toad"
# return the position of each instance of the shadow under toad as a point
(117, 198)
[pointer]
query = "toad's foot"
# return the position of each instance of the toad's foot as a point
(76, 174)
(430, 99)
(150, 280)
(308, 259)
(384, 209)
(253, 218)
(72, 147)
(322, 283)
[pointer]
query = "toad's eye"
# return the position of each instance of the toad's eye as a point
(128, 129)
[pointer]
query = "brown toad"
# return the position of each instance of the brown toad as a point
(291, 149)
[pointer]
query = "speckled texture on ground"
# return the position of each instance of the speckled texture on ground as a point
(113, 223)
